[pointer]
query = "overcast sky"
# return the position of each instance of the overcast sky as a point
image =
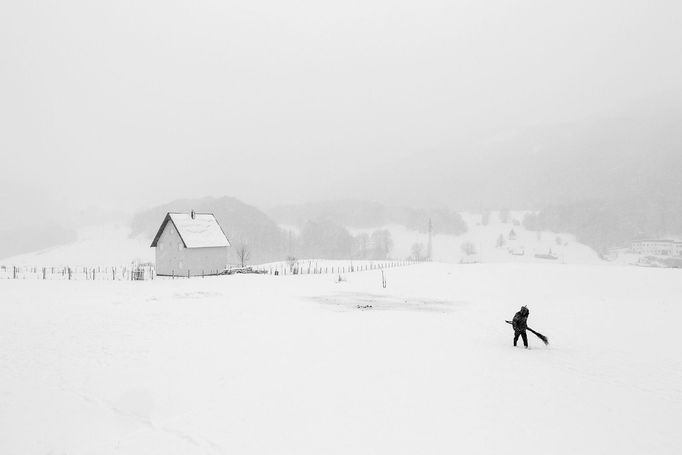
(123, 104)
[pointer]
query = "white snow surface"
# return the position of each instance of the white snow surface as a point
(202, 231)
(254, 364)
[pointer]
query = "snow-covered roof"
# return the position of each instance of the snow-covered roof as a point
(200, 231)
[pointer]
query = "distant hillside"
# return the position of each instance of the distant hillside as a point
(624, 155)
(32, 238)
(241, 222)
(493, 240)
(607, 181)
(607, 224)
(30, 221)
(95, 245)
(362, 215)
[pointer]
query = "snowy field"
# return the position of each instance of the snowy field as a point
(260, 364)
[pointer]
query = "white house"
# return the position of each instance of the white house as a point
(190, 244)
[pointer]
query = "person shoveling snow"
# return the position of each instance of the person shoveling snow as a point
(520, 325)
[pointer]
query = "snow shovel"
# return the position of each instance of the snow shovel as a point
(537, 334)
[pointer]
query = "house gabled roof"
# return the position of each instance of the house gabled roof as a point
(200, 231)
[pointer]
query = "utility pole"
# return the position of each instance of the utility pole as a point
(429, 245)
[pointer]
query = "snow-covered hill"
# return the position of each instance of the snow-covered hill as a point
(521, 247)
(108, 245)
(254, 364)
(104, 245)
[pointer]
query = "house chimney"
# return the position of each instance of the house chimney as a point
(192, 214)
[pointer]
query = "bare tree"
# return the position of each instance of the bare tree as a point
(361, 244)
(382, 242)
(243, 253)
(468, 248)
(417, 251)
(293, 264)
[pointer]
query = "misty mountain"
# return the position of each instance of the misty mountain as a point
(31, 221)
(33, 238)
(610, 182)
(606, 180)
(630, 155)
(241, 222)
(604, 224)
(364, 214)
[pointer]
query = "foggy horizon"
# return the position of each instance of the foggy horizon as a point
(129, 105)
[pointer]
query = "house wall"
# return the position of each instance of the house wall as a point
(172, 258)
(657, 248)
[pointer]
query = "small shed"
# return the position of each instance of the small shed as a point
(190, 244)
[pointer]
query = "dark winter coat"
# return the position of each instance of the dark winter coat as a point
(519, 323)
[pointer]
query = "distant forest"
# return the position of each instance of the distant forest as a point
(603, 225)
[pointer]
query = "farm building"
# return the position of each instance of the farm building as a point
(190, 244)
(655, 247)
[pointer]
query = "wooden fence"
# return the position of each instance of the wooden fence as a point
(147, 272)
(312, 267)
(113, 273)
